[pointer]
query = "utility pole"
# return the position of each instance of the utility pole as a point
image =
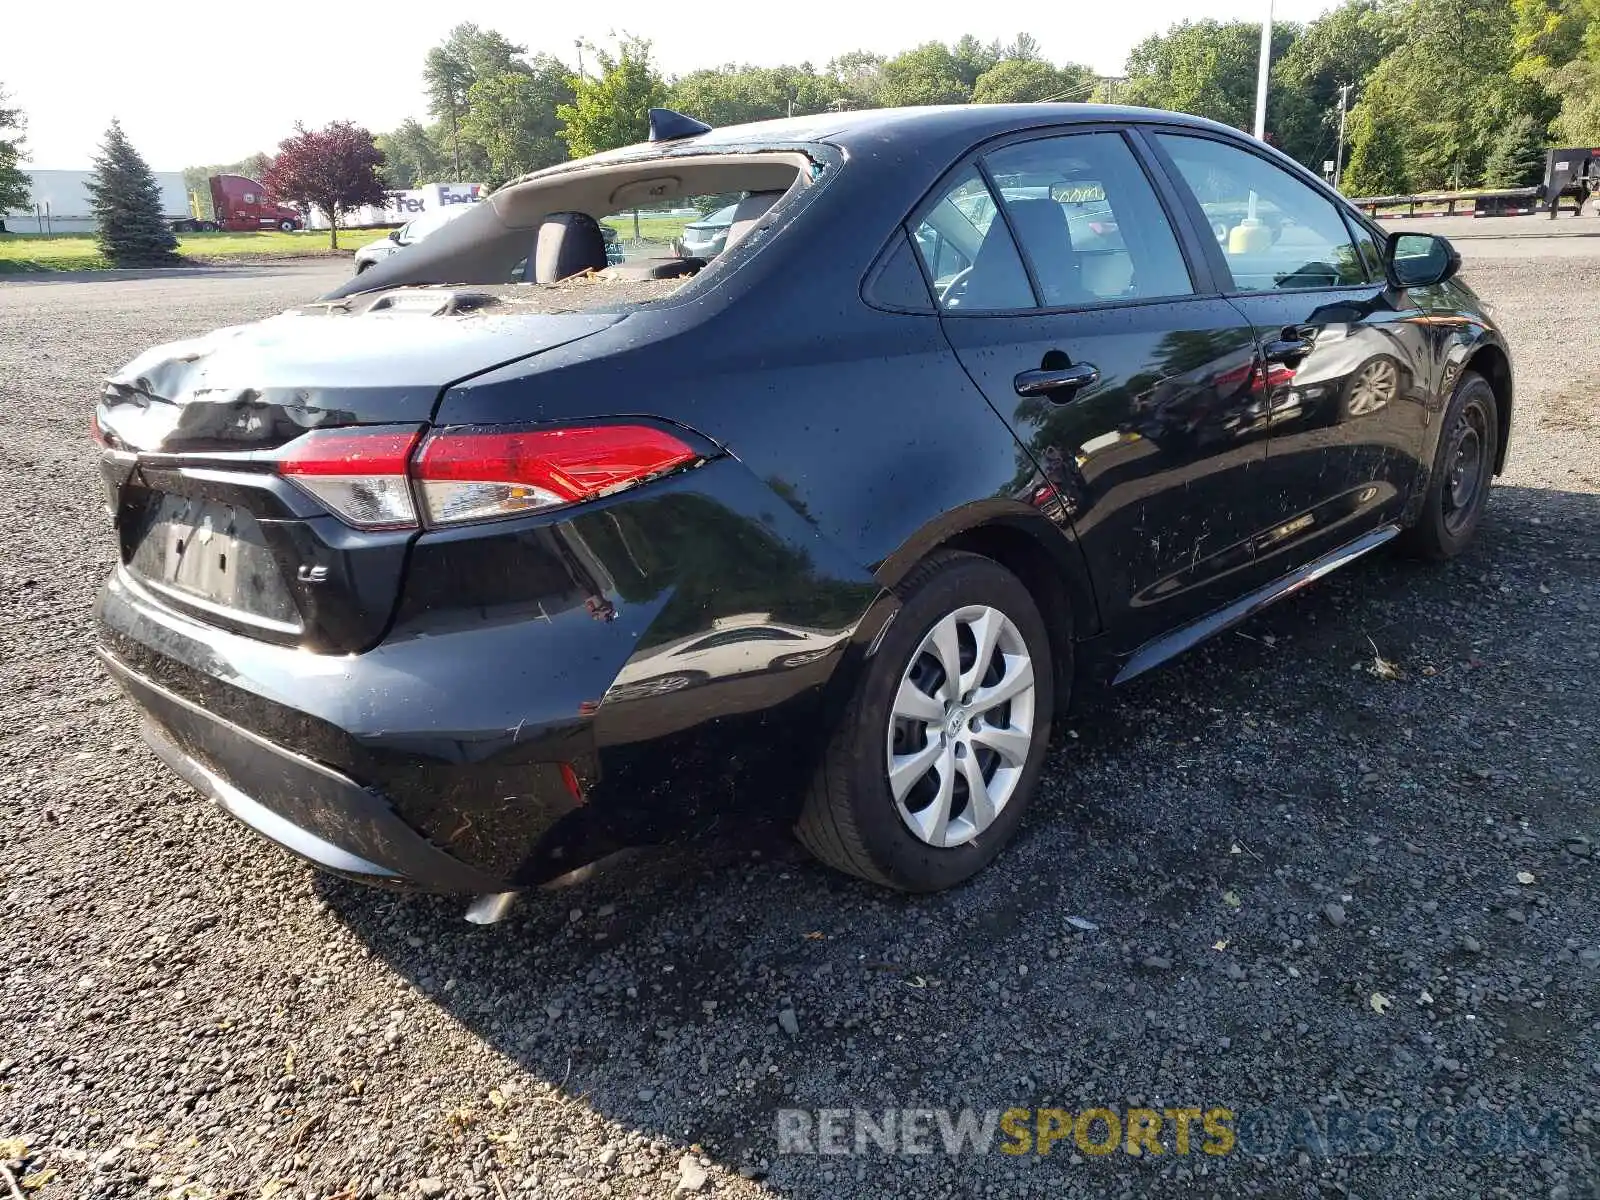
(1338, 152)
(1263, 70)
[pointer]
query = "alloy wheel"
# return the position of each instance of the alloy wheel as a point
(961, 726)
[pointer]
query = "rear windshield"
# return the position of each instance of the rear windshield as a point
(663, 220)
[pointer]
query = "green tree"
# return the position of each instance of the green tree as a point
(930, 74)
(614, 109)
(973, 58)
(1556, 48)
(734, 95)
(1207, 68)
(412, 156)
(14, 185)
(1548, 34)
(1343, 46)
(512, 118)
(1025, 80)
(467, 56)
(126, 202)
(1378, 164)
(1446, 89)
(1576, 86)
(859, 74)
(1023, 48)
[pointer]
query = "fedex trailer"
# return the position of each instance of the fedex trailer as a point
(59, 202)
(403, 206)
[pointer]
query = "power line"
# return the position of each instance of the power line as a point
(1081, 90)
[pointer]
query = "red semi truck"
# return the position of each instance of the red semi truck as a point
(241, 204)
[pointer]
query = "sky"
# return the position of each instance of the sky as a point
(217, 88)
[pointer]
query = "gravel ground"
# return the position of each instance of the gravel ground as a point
(1340, 861)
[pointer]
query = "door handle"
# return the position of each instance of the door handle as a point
(1060, 384)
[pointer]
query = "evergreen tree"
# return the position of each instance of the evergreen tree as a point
(1378, 164)
(127, 207)
(1516, 156)
(14, 184)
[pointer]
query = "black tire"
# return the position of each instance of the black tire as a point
(288, 226)
(1450, 515)
(850, 820)
(208, 226)
(362, 266)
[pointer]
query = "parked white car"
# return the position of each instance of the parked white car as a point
(412, 231)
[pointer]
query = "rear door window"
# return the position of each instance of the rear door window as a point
(1089, 220)
(968, 251)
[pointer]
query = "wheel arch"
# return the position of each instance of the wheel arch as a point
(1491, 361)
(1045, 557)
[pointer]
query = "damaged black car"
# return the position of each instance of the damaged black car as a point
(506, 555)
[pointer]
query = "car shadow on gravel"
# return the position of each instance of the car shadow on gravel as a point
(1228, 861)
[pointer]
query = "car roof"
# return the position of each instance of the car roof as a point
(971, 121)
(931, 128)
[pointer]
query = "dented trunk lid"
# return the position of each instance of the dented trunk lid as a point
(206, 524)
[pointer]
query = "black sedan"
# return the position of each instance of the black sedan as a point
(459, 584)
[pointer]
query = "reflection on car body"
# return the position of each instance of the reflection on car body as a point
(740, 645)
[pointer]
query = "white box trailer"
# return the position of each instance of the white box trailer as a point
(59, 202)
(403, 206)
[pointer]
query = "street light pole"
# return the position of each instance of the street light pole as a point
(1262, 71)
(1338, 153)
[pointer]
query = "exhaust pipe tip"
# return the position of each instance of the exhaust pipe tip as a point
(491, 908)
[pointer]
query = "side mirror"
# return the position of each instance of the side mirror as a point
(1419, 260)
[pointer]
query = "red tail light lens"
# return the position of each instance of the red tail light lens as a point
(368, 476)
(360, 474)
(476, 474)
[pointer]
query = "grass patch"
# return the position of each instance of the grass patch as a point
(651, 228)
(78, 252)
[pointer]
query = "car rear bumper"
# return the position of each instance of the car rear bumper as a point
(546, 692)
(307, 808)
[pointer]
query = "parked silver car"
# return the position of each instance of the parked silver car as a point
(706, 236)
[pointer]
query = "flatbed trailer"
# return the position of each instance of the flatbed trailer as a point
(1571, 174)
(1495, 202)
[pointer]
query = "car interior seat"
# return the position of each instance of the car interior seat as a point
(568, 244)
(1041, 225)
(751, 209)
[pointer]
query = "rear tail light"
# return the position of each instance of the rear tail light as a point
(368, 477)
(359, 474)
(478, 474)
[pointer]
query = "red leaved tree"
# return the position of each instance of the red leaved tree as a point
(334, 169)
